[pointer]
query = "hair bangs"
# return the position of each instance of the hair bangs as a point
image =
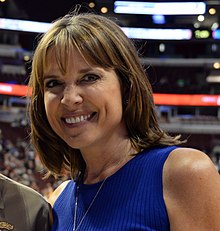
(62, 48)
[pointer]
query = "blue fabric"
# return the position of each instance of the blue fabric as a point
(131, 199)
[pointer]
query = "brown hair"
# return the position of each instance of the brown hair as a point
(101, 42)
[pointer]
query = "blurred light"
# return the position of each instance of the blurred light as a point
(13, 89)
(216, 65)
(162, 47)
(213, 79)
(187, 99)
(161, 8)
(24, 25)
(2, 0)
(216, 34)
(91, 4)
(212, 11)
(158, 19)
(158, 34)
(26, 58)
(214, 26)
(181, 82)
(201, 18)
(196, 25)
(104, 10)
(214, 47)
(202, 34)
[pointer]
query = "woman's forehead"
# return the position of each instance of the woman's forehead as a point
(57, 61)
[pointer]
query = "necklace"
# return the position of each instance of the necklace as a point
(75, 228)
(90, 205)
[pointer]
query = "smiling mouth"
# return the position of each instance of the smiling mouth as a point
(78, 119)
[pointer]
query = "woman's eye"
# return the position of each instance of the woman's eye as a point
(52, 83)
(90, 78)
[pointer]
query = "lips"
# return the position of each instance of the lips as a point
(77, 119)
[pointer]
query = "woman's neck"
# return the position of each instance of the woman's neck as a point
(100, 166)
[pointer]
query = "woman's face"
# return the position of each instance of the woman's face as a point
(83, 106)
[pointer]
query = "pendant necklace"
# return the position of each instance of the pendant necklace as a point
(88, 209)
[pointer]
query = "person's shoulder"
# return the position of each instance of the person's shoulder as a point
(22, 188)
(191, 185)
(189, 159)
(188, 167)
(57, 192)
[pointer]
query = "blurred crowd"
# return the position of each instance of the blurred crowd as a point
(19, 162)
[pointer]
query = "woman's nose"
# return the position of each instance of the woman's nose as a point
(71, 95)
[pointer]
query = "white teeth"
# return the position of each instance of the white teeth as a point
(77, 119)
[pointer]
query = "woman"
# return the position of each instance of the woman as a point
(93, 116)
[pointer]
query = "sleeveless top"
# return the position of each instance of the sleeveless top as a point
(131, 199)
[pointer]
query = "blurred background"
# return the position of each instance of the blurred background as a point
(179, 47)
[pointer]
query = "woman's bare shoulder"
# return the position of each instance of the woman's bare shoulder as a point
(191, 185)
(57, 192)
(186, 166)
(188, 159)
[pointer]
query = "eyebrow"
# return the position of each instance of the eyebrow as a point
(86, 70)
(49, 76)
(82, 71)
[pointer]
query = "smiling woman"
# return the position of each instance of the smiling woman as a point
(93, 116)
(73, 105)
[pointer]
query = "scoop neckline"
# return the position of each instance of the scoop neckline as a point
(84, 186)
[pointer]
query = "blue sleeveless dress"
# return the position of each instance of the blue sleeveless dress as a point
(131, 199)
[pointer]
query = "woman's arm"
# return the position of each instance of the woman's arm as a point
(191, 191)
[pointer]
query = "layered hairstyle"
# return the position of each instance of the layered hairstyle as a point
(102, 43)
